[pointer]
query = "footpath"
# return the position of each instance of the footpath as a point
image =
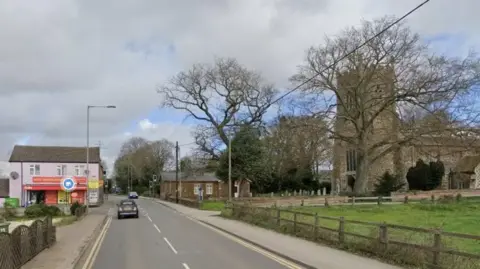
(303, 251)
(72, 241)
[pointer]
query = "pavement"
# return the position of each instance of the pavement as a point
(71, 241)
(307, 253)
(162, 238)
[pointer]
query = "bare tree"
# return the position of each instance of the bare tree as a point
(368, 94)
(218, 95)
(297, 141)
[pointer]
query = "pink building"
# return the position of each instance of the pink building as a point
(37, 173)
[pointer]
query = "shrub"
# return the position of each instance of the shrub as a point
(8, 211)
(74, 207)
(42, 210)
(424, 176)
(387, 184)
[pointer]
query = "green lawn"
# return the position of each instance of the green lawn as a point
(212, 205)
(455, 217)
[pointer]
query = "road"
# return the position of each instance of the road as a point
(162, 238)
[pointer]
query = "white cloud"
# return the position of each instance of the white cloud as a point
(58, 56)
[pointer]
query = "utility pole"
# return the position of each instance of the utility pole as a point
(230, 169)
(176, 171)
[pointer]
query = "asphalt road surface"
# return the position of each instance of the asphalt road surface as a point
(161, 238)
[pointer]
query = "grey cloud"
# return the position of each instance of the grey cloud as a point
(58, 56)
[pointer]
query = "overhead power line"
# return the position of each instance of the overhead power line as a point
(351, 52)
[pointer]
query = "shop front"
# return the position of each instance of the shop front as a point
(48, 190)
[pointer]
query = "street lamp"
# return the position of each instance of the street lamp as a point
(87, 203)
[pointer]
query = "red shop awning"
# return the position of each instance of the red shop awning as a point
(55, 187)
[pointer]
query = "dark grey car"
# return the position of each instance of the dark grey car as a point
(127, 208)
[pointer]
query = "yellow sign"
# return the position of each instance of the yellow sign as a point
(93, 184)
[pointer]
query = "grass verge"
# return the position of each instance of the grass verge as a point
(212, 205)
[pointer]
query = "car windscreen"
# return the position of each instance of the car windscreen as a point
(133, 193)
(127, 203)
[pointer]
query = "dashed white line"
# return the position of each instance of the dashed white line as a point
(156, 227)
(148, 217)
(185, 266)
(170, 245)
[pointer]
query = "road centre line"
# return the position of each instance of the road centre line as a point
(252, 247)
(170, 245)
(156, 228)
(185, 266)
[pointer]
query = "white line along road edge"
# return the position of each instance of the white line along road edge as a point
(96, 246)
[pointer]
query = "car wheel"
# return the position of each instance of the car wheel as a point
(119, 217)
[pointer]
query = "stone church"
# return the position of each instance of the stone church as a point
(353, 95)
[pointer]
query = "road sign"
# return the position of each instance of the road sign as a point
(68, 184)
(154, 178)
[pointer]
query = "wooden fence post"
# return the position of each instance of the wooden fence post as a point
(379, 200)
(437, 245)
(405, 199)
(341, 230)
(433, 198)
(295, 223)
(315, 227)
(353, 200)
(383, 234)
(278, 217)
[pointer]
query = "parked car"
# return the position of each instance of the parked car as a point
(127, 208)
(132, 195)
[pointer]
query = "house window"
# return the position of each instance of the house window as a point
(209, 189)
(82, 170)
(61, 170)
(34, 169)
(77, 170)
(196, 188)
(352, 160)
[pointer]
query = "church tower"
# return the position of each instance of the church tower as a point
(364, 94)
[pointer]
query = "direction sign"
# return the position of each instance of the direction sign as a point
(68, 184)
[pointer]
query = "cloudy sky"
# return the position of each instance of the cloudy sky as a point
(58, 56)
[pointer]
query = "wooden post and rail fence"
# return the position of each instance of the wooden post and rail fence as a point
(432, 247)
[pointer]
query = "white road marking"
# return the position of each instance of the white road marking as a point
(170, 245)
(261, 251)
(96, 246)
(185, 266)
(156, 227)
(148, 217)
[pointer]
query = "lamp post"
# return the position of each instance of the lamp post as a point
(87, 202)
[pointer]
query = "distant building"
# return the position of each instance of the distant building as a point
(37, 172)
(189, 186)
